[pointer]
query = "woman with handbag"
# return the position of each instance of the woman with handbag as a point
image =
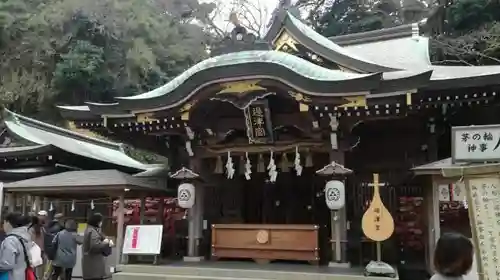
(95, 249)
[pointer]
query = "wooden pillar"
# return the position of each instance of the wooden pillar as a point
(431, 192)
(433, 220)
(142, 209)
(339, 226)
(45, 204)
(23, 204)
(11, 202)
(37, 203)
(120, 230)
(57, 207)
(195, 218)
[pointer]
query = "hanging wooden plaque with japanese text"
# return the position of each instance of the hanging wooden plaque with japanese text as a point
(258, 122)
(483, 196)
(479, 143)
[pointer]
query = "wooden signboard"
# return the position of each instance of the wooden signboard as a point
(483, 196)
(258, 122)
(377, 222)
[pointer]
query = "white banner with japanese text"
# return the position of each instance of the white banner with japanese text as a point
(476, 143)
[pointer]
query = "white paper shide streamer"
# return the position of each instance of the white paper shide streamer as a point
(248, 168)
(73, 206)
(271, 167)
(92, 206)
(229, 166)
(51, 207)
(296, 163)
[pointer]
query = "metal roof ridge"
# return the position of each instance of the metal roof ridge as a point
(71, 134)
(401, 31)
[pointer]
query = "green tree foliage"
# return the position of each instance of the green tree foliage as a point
(469, 33)
(71, 51)
(340, 17)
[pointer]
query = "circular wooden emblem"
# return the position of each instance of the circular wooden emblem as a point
(262, 236)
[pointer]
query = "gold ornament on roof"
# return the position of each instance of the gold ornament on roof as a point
(72, 126)
(302, 99)
(354, 101)
(241, 87)
(299, 97)
(285, 41)
(185, 110)
(146, 117)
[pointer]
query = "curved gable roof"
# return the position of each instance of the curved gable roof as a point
(321, 45)
(40, 133)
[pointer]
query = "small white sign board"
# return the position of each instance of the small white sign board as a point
(479, 143)
(142, 240)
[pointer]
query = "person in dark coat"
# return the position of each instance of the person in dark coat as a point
(55, 225)
(65, 243)
(94, 247)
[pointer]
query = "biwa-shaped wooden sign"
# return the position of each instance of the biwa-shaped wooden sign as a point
(377, 222)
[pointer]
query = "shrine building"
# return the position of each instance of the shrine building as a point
(258, 129)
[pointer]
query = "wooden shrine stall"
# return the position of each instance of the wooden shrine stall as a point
(44, 167)
(445, 206)
(85, 187)
(250, 127)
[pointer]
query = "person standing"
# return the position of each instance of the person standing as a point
(55, 225)
(95, 250)
(453, 257)
(38, 235)
(65, 244)
(13, 253)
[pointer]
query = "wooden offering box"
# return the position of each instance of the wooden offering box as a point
(264, 243)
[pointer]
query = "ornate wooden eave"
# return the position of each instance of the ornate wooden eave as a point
(333, 169)
(184, 174)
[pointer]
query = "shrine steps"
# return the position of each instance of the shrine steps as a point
(206, 272)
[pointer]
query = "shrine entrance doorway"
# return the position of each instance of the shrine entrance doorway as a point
(291, 201)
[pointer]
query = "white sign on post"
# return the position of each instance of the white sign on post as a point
(142, 240)
(475, 143)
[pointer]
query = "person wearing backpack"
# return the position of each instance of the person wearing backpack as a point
(65, 244)
(15, 248)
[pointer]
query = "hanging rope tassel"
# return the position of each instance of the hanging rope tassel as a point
(229, 166)
(296, 162)
(273, 174)
(248, 167)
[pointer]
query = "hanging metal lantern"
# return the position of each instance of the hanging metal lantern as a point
(335, 195)
(186, 195)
